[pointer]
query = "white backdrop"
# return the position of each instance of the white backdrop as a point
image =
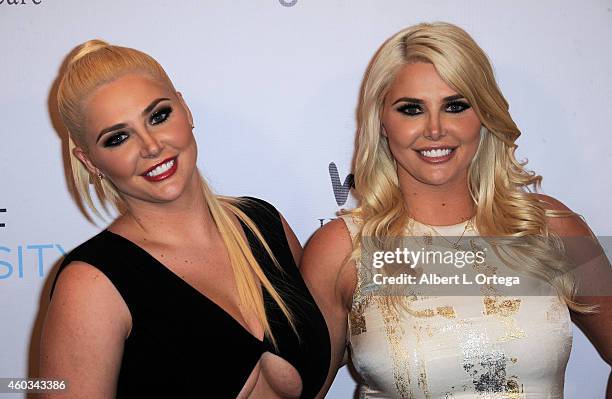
(273, 87)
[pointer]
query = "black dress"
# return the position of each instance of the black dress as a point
(184, 345)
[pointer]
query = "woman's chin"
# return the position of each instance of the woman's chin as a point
(438, 180)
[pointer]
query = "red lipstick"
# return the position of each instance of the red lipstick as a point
(164, 170)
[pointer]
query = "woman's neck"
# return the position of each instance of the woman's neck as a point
(442, 205)
(177, 222)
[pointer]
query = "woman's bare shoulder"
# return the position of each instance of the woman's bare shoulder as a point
(82, 292)
(569, 223)
(324, 263)
(331, 241)
(84, 331)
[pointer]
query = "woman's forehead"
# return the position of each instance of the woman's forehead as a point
(129, 82)
(419, 79)
(122, 100)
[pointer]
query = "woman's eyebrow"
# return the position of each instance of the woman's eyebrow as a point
(148, 109)
(153, 104)
(454, 97)
(110, 129)
(419, 101)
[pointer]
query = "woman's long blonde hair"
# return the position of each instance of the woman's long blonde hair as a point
(499, 185)
(96, 62)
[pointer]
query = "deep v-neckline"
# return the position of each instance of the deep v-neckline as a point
(206, 298)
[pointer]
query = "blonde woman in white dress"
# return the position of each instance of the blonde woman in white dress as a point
(435, 158)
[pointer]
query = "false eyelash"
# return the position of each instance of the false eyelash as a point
(166, 110)
(405, 107)
(464, 105)
(109, 141)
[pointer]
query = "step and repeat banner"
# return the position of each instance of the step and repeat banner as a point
(273, 87)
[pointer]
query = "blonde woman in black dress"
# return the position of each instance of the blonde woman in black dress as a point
(186, 293)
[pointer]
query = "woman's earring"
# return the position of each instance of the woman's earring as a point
(100, 176)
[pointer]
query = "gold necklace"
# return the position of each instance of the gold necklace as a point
(455, 245)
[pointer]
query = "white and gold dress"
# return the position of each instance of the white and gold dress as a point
(456, 347)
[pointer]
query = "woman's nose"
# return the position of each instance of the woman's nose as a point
(151, 146)
(433, 130)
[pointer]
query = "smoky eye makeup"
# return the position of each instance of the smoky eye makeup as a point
(161, 115)
(410, 109)
(457, 106)
(158, 116)
(114, 139)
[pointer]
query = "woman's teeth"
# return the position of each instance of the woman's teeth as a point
(436, 153)
(161, 169)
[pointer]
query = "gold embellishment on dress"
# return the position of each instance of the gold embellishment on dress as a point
(399, 355)
(501, 307)
(422, 313)
(420, 329)
(357, 319)
(446, 311)
(505, 308)
(360, 302)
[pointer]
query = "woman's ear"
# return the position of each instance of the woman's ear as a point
(82, 156)
(184, 104)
